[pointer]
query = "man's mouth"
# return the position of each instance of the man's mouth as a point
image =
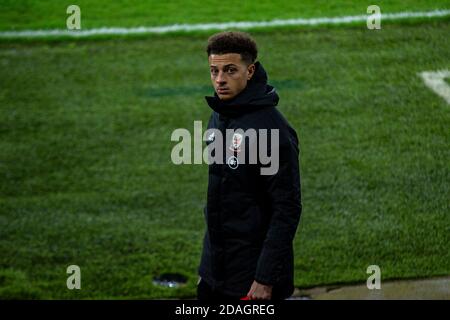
(223, 90)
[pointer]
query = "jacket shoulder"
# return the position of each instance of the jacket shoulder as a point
(272, 118)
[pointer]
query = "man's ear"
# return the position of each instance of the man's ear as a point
(251, 71)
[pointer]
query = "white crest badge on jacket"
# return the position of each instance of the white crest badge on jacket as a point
(236, 142)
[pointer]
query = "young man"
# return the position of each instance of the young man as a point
(251, 217)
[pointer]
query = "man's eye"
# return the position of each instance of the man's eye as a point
(231, 70)
(213, 71)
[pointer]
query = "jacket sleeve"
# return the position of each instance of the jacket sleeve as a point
(284, 192)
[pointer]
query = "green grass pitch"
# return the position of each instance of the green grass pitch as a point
(85, 170)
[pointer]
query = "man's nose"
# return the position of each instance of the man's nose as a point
(220, 78)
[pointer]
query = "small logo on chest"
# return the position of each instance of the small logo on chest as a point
(211, 137)
(233, 162)
(236, 142)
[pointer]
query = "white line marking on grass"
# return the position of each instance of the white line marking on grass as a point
(435, 81)
(217, 26)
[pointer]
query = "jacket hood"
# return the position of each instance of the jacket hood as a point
(256, 95)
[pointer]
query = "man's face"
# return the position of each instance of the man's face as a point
(229, 74)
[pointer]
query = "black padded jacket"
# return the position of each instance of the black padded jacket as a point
(251, 219)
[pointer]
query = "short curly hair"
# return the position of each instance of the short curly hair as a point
(233, 42)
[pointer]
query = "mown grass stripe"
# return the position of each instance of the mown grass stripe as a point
(217, 26)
